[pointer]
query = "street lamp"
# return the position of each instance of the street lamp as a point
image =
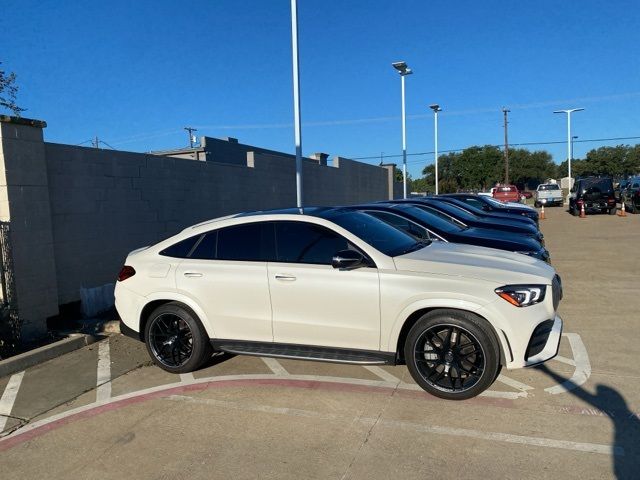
(573, 138)
(569, 146)
(403, 70)
(436, 108)
(296, 101)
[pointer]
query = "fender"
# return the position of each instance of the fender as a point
(182, 298)
(408, 310)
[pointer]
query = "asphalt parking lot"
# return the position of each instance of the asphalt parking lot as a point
(105, 412)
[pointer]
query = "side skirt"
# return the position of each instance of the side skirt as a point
(305, 352)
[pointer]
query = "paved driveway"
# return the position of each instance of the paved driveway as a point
(105, 412)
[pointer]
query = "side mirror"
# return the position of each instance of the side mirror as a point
(348, 260)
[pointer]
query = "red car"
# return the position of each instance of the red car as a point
(506, 193)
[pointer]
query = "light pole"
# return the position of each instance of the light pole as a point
(569, 146)
(573, 138)
(403, 70)
(436, 108)
(296, 101)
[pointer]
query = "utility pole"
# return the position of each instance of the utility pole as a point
(190, 130)
(506, 111)
(95, 142)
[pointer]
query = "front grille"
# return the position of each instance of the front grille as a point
(556, 289)
(539, 338)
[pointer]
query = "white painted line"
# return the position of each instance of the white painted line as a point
(414, 426)
(523, 387)
(583, 366)
(103, 392)
(9, 398)
(187, 377)
(223, 378)
(275, 366)
(383, 374)
(568, 361)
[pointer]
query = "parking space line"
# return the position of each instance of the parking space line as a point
(103, 383)
(523, 387)
(414, 426)
(187, 377)
(583, 366)
(383, 374)
(275, 366)
(9, 397)
(568, 361)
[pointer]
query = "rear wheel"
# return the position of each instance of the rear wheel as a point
(176, 340)
(452, 354)
(612, 211)
(537, 204)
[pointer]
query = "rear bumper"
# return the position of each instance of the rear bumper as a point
(129, 332)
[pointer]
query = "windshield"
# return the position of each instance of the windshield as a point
(506, 189)
(549, 186)
(378, 234)
(454, 210)
(433, 219)
(597, 185)
(494, 202)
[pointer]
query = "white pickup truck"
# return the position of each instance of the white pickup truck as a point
(548, 194)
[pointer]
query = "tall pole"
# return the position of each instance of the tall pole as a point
(296, 101)
(404, 144)
(569, 149)
(506, 145)
(435, 153)
(436, 108)
(190, 131)
(569, 142)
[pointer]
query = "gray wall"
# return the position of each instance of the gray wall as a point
(94, 206)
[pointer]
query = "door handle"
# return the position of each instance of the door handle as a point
(192, 274)
(285, 278)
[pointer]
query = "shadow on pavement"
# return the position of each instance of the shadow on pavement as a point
(216, 359)
(626, 424)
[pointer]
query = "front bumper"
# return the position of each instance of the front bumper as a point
(550, 201)
(544, 342)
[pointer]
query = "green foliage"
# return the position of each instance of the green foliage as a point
(8, 92)
(481, 167)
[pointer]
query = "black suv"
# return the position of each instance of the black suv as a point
(594, 193)
(630, 196)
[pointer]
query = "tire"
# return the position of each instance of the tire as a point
(471, 354)
(537, 204)
(175, 339)
(574, 211)
(613, 211)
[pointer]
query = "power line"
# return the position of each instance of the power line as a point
(522, 144)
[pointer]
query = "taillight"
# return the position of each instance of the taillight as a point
(611, 200)
(126, 272)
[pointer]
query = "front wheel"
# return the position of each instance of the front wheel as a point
(613, 211)
(452, 354)
(176, 340)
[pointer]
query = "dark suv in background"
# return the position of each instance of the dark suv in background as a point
(594, 193)
(630, 196)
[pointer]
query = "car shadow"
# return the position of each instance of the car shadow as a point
(626, 423)
(216, 359)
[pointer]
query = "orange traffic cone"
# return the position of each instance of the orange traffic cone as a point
(582, 214)
(622, 212)
(542, 217)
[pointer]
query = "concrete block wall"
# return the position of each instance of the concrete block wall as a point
(76, 211)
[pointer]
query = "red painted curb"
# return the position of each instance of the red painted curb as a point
(18, 438)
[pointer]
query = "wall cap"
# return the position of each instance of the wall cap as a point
(23, 121)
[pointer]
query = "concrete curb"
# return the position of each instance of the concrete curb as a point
(39, 355)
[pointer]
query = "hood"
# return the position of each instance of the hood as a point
(520, 205)
(495, 266)
(486, 237)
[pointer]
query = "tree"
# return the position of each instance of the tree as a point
(8, 92)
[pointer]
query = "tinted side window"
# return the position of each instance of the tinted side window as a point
(474, 202)
(249, 242)
(301, 242)
(206, 248)
(180, 249)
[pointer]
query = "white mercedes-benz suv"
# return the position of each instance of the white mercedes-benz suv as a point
(337, 285)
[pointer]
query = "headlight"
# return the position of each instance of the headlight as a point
(522, 295)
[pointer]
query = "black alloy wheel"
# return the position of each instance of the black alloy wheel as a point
(171, 340)
(176, 340)
(452, 354)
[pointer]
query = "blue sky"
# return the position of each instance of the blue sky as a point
(135, 73)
